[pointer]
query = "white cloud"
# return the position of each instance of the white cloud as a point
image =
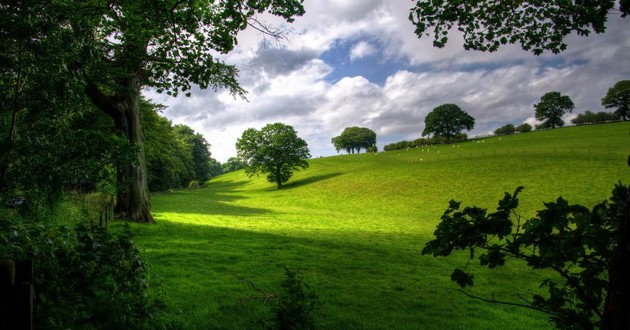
(362, 49)
(289, 84)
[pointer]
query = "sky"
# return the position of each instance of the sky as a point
(358, 63)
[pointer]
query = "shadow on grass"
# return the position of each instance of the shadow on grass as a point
(365, 277)
(310, 180)
(215, 199)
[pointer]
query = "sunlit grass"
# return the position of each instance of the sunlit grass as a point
(355, 225)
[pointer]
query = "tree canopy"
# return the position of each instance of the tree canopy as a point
(110, 50)
(561, 237)
(354, 138)
(552, 107)
(275, 149)
(537, 26)
(447, 120)
(618, 97)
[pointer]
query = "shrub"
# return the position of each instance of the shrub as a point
(505, 130)
(84, 277)
(295, 306)
(524, 128)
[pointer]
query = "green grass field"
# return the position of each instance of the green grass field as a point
(354, 225)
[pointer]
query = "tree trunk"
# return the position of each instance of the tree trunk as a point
(617, 306)
(133, 203)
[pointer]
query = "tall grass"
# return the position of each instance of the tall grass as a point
(354, 226)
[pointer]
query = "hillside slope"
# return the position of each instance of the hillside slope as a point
(355, 224)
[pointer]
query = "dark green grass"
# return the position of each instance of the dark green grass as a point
(355, 225)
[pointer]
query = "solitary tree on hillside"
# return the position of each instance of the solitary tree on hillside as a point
(552, 107)
(354, 138)
(447, 121)
(618, 97)
(118, 47)
(537, 26)
(275, 149)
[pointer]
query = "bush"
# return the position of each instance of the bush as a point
(524, 128)
(505, 130)
(594, 118)
(84, 277)
(295, 306)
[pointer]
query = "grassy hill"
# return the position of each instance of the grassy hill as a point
(354, 225)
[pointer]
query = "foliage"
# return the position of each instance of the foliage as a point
(110, 50)
(594, 118)
(486, 25)
(233, 164)
(618, 97)
(576, 243)
(505, 130)
(198, 148)
(214, 168)
(84, 278)
(354, 138)
(175, 154)
(275, 149)
(524, 128)
(551, 108)
(295, 306)
(447, 120)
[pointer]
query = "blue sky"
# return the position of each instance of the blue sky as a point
(359, 64)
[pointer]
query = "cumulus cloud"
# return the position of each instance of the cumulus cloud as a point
(362, 49)
(291, 84)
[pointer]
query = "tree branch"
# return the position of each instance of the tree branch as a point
(494, 301)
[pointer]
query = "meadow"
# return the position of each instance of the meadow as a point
(354, 226)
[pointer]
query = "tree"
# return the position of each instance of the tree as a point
(618, 97)
(233, 164)
(505, 130)
(537, 26)
(589, 117)
(524, 128)
(447, 121)
(354, 138)
(587, 249)
(275, 149)
(552, 107)
(198, 148)
(118, 48)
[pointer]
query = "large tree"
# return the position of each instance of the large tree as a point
(447, 121)
(618, 97)
(552, 107)
(275, 149)
(537, 26)
(165, 44)
(354, 138)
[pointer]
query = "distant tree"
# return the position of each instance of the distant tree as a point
(586, 250)
(618, 97)
(214, 167)
(551, 108)
(447, 121)
(537, 26)
(169, 158)
(275, 149)
(233, 164)
(589, 117)
(199, 151)
(524, 128)
(505, 130)
(354, 138)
